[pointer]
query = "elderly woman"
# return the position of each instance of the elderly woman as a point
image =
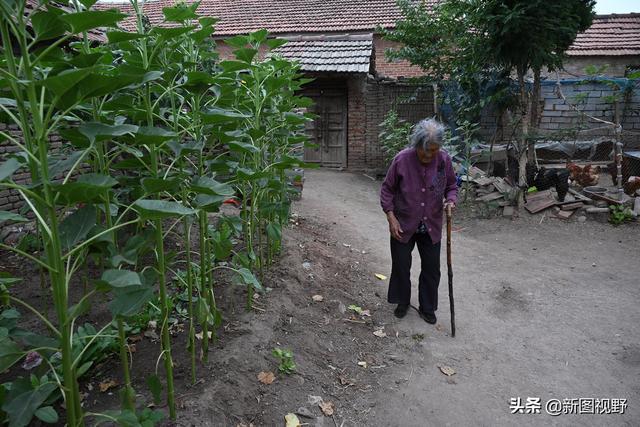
(419, 185)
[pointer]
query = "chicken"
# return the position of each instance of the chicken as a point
(584, 176)
(613, 171)
(632, 185)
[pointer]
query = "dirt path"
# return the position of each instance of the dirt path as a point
(543, 310)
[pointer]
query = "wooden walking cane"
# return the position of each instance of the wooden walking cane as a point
(450, 272)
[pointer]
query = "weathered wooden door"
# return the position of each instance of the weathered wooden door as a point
(328, 132)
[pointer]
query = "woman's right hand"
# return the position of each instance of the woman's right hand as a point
(394, 226)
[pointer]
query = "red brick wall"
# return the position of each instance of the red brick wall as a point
(391, 69)
(356, 122)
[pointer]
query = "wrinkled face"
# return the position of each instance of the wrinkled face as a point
(425, 156)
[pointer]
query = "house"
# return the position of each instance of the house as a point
(612, 43)
(336, 43)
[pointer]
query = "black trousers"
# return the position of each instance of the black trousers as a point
(400, 281)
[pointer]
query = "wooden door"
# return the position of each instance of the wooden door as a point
(328, 131)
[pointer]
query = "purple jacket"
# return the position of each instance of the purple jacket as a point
(416, 192)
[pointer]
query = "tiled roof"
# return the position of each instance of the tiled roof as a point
(282, 16)
(609, 35)
(346, 53)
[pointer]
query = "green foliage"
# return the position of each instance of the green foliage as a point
(25, 398)
(394, 135)
(355, 308)
(157, 134)
(507, 36)
(619, 214)
(285, 360)
(436, 38)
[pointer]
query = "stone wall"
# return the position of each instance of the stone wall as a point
(614, 66)
(10, 200)
(560, 121)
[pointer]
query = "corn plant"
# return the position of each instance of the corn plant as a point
(157, 134)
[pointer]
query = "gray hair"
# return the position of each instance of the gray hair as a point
(425, 132)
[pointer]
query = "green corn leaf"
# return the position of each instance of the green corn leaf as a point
(209, 203)
(180, 13)
(61, 164)
(219, 115)
(94, 130)
(10, 216)
(237, 41)
(10, 353)
(23, 406)
(157, 185)
(260, 36)
(158, 209)
(47, 25)
(121, 278)
(155, 386)
(128, 301)
(242, 147)
(166, 34)
(274, 231)
(6, 279)
(87, 188)
(9, 167)
(245, 54)
(232, 66)
(206, 185)
(153, 136)
(66, 80)
(123, 36)
(276, 43)
(245, 277)
(47, 414)
(88, 3)
(76, 226)
(124, 418)
(83, 21)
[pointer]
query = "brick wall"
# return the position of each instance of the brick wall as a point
(10, 200)
(590, 98)
(391, 69)
(357, 122)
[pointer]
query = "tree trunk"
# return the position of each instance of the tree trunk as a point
(534, 122)
(522, 137)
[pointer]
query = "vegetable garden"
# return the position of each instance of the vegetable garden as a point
(158, 133)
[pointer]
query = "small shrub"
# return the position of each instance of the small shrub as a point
(285, 358)
(619, 214)
(394, 135)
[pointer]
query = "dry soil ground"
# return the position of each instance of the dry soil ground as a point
(544, 309)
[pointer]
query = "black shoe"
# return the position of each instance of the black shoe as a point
(428, 317)
(401, 310)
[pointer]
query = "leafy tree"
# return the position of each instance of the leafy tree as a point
(525, 35)
(467, 40)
